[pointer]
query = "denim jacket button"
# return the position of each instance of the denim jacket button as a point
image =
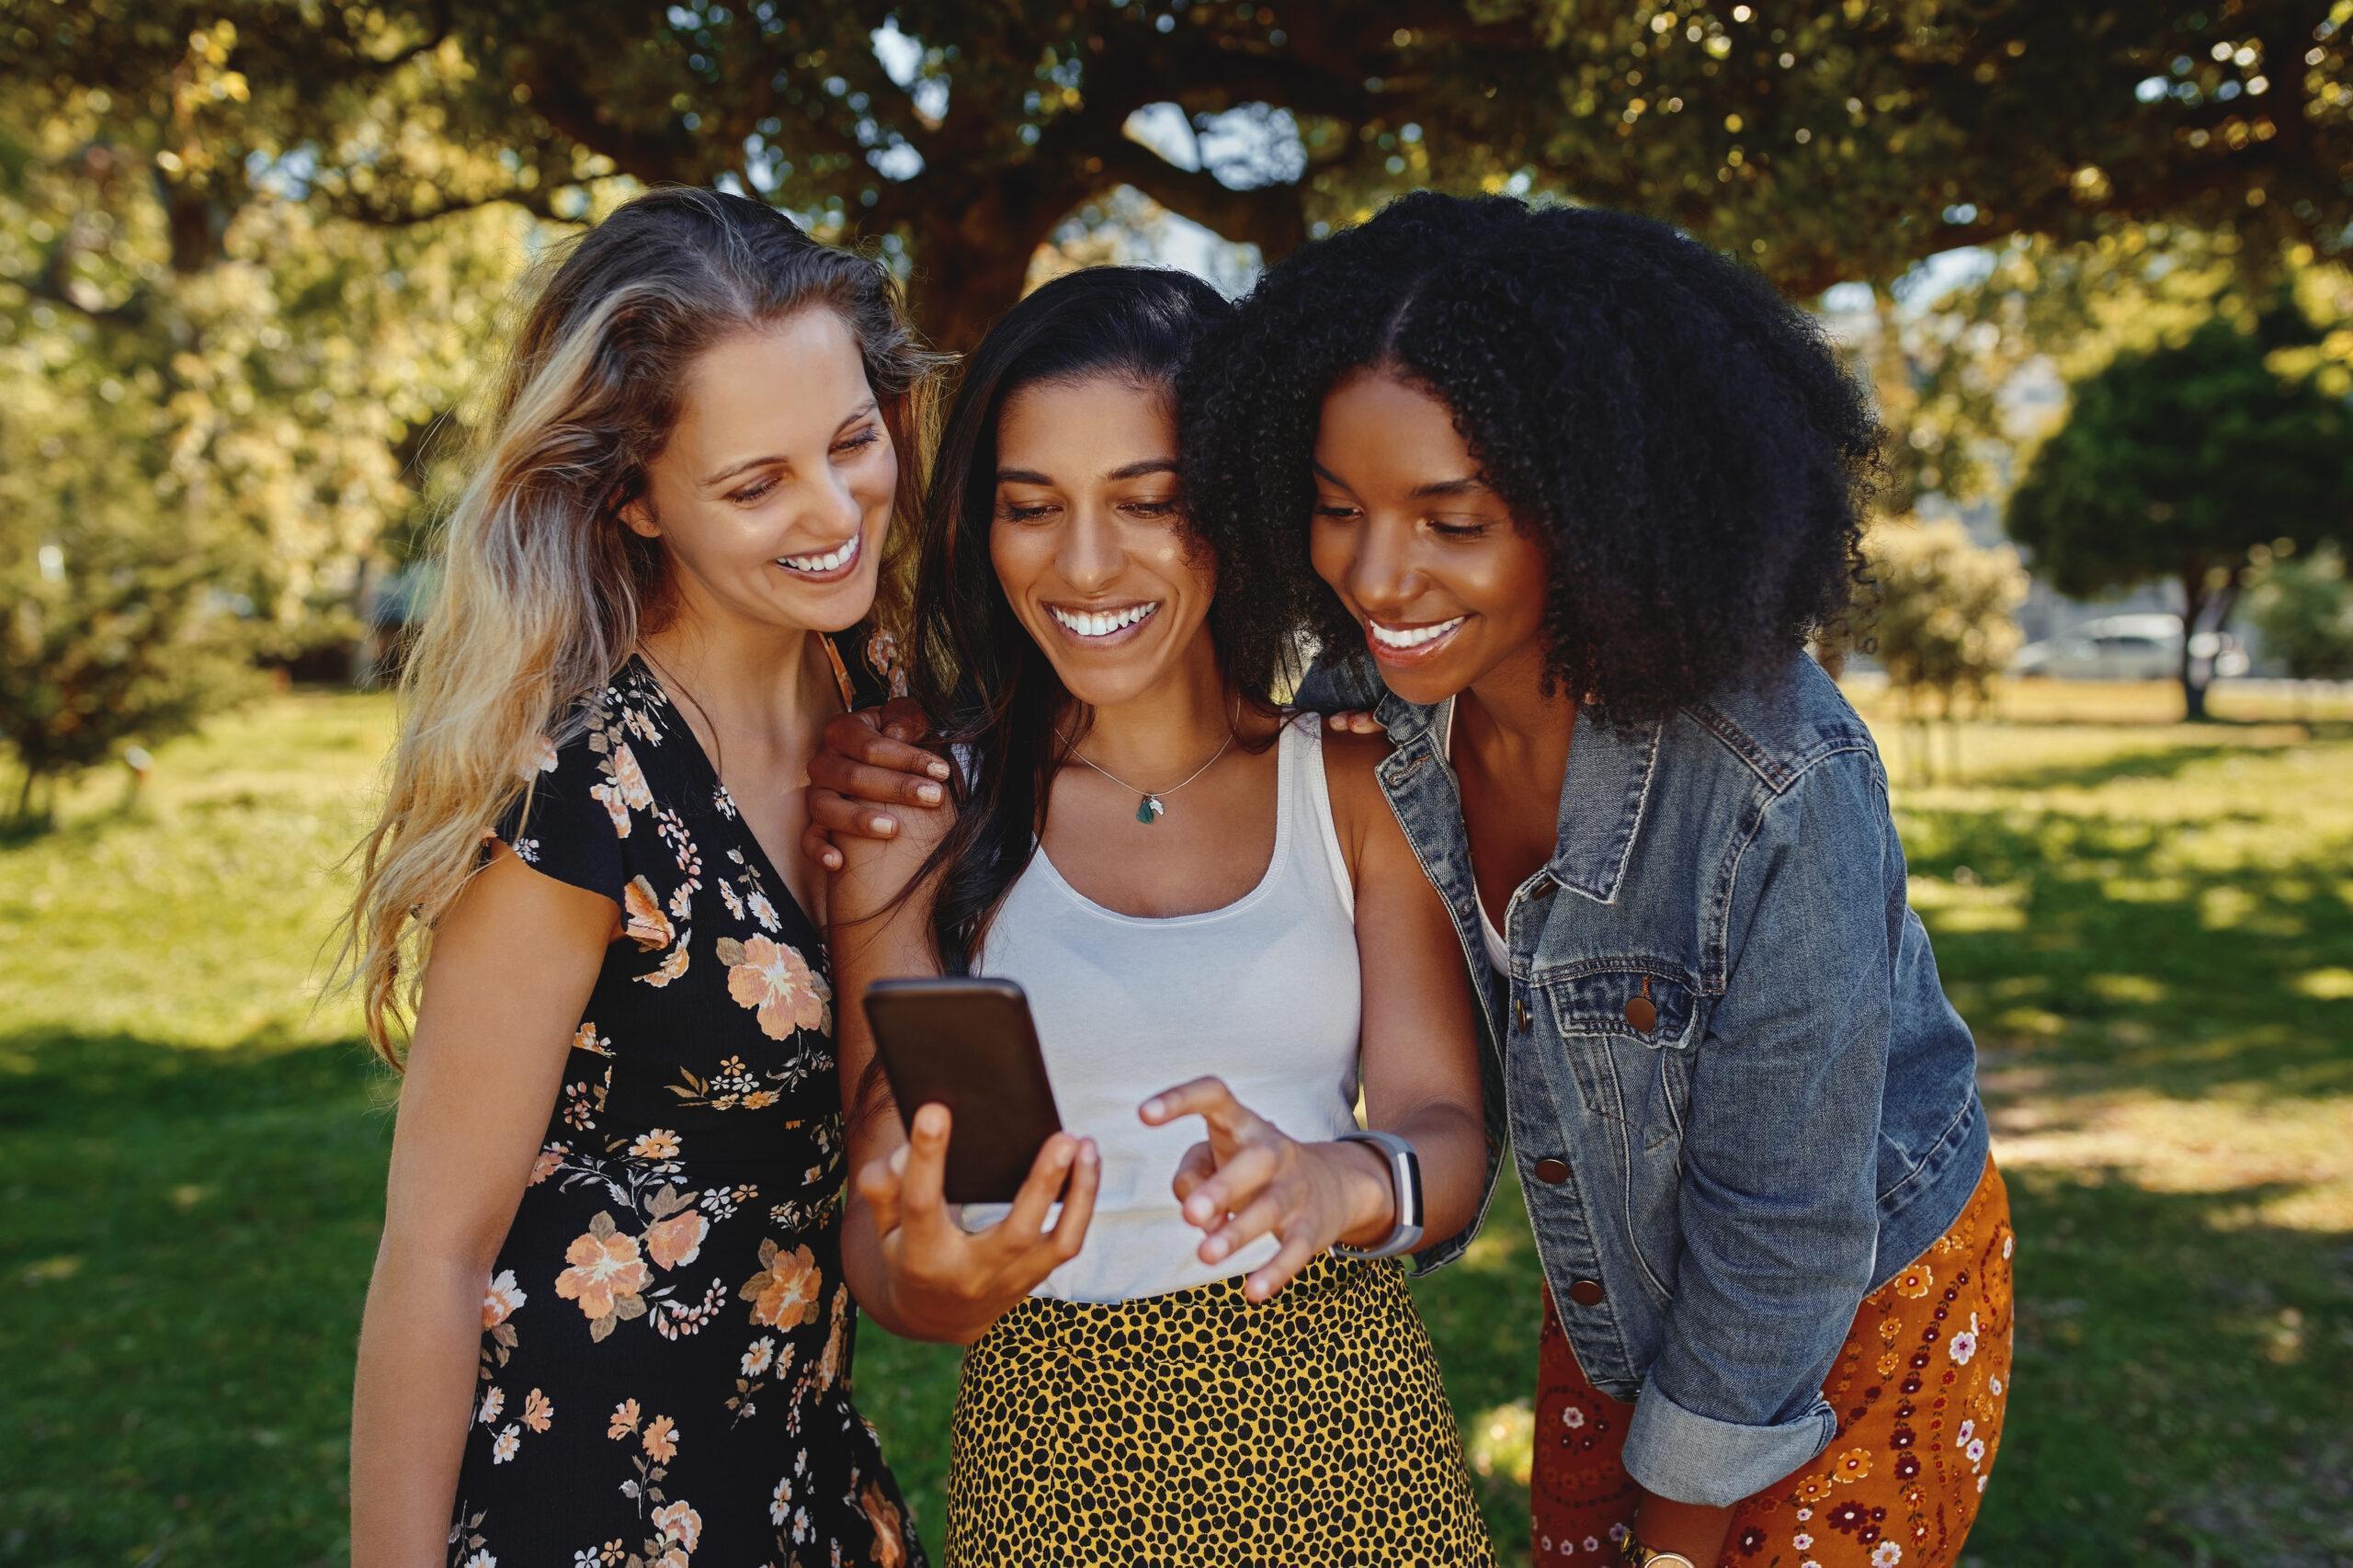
(1552, 1172)
(1586, 1292)
(1523, 1014)
(1642, 1013)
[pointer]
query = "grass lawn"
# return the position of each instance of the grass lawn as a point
(2150, 924)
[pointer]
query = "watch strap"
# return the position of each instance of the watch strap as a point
(1406, 1182)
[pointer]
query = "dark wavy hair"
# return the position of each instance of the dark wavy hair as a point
(988, 684)
(1683, 441)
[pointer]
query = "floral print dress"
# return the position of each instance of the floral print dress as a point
(666, 1336)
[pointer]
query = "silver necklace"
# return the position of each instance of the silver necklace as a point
(1150, 809)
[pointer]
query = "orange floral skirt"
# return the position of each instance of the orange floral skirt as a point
(1919, 1388)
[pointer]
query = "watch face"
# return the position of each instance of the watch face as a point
(1410, 1192)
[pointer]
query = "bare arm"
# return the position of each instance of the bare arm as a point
(912, 1268)
(512, 965)
(1420, 1050)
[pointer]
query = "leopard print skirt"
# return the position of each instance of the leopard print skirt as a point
(1198, 1429)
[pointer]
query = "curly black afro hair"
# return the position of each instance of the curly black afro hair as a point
(1684, 441)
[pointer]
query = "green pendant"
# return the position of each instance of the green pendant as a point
(1149, 809)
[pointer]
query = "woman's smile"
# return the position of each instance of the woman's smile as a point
(826, 565)
(1404, 645)
(1103, 626)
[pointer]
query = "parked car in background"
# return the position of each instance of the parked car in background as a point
(2127, 647)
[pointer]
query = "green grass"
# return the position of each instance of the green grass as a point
(2151, 926)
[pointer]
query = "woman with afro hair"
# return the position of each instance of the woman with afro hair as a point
(1560, 495)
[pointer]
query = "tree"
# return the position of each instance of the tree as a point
(265, 386)
(2304, 607)
(1827, 139)
(1941, 620)
(2178, 462)
(131, 643)
(211, 412)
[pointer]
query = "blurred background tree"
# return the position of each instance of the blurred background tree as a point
(2303, 607)
(126, 647)
(1941, 621)
(2181, 460)
(1833, 140)
(249, 249)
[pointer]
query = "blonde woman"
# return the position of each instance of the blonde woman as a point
(607, 1324)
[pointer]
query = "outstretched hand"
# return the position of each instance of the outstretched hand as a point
(1248, 1179)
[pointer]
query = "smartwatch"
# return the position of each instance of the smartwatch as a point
(1406, 1179)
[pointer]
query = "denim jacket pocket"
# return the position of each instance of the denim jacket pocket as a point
(1628, 1029)
(1627, 999)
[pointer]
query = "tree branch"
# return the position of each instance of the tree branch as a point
(1271, 217)
(668, 153)
(537, 200)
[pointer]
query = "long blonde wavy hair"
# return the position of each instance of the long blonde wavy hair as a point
(543, 593)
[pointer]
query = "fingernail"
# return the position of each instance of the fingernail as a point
(1196, 1209)
(1087, 1153)
(929, 794)
(896, 732)
(833, 861)
(1213, 1249)
(1150, 1107)
(882, 825)
(937, 769)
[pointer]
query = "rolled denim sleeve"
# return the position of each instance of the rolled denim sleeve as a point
(1779, 1197)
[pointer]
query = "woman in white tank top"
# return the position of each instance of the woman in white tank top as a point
(1225, 940)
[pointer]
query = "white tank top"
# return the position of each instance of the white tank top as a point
(1262, 992)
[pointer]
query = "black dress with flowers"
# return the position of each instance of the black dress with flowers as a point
(666, 1335)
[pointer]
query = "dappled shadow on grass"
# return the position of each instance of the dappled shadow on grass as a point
(2179, 1390)
(2114, 960)
(185, 1235)
(58, 1079)
(2158, 762)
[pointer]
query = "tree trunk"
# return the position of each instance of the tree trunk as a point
(2193, 611)
(972, 246)
(963, 289)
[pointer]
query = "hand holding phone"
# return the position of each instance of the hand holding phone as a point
(949, 1285)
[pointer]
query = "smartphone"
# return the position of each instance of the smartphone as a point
(969, 1045)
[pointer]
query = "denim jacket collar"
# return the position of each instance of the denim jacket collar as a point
(1602, 796)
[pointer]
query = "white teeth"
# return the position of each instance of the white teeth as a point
(1100, 623)
(1411, 636)
(831, 561)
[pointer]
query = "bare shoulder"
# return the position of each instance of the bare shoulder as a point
(1359, 807)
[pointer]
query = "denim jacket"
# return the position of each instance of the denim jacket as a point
(1737, 1097)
